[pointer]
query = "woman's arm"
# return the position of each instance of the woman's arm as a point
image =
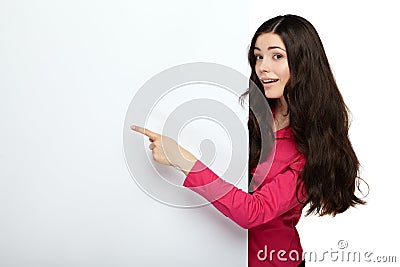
(166, 151)
(248, 210)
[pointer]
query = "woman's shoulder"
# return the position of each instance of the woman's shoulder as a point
(285, 145)
(284, 133)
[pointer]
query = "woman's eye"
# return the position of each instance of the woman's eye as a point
(277, 56)
(258, 57)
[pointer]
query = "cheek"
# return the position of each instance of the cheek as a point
(284, 74)
(287, 76)
(257, 69)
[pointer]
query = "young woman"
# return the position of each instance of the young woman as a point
(314, 163)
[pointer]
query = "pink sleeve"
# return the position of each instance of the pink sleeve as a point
(247, 210)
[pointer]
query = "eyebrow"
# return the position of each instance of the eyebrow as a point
(270, 48)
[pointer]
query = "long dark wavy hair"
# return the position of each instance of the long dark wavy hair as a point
(318, 118)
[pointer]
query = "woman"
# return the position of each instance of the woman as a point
(314, 163)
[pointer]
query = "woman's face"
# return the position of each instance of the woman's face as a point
(272, 66)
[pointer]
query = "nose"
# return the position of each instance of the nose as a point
(265, 66)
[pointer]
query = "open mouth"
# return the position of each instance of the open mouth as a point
(268, 81)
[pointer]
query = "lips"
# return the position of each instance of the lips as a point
(268, 81)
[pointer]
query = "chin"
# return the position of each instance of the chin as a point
(272, 95)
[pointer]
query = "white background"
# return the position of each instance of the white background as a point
(68, 70)
(361, 41)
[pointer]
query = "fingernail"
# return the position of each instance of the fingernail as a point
(133, 127)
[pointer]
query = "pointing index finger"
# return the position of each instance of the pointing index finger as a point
(144, 131)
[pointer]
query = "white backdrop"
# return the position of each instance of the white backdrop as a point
(68, 71)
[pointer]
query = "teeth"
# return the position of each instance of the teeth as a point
(268, 81)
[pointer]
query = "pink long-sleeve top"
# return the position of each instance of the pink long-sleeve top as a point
(271, 213)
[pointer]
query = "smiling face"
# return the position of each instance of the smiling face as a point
(272, 66)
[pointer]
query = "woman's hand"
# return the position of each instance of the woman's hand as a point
(166, 151)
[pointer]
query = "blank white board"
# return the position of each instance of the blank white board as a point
(68, 72)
